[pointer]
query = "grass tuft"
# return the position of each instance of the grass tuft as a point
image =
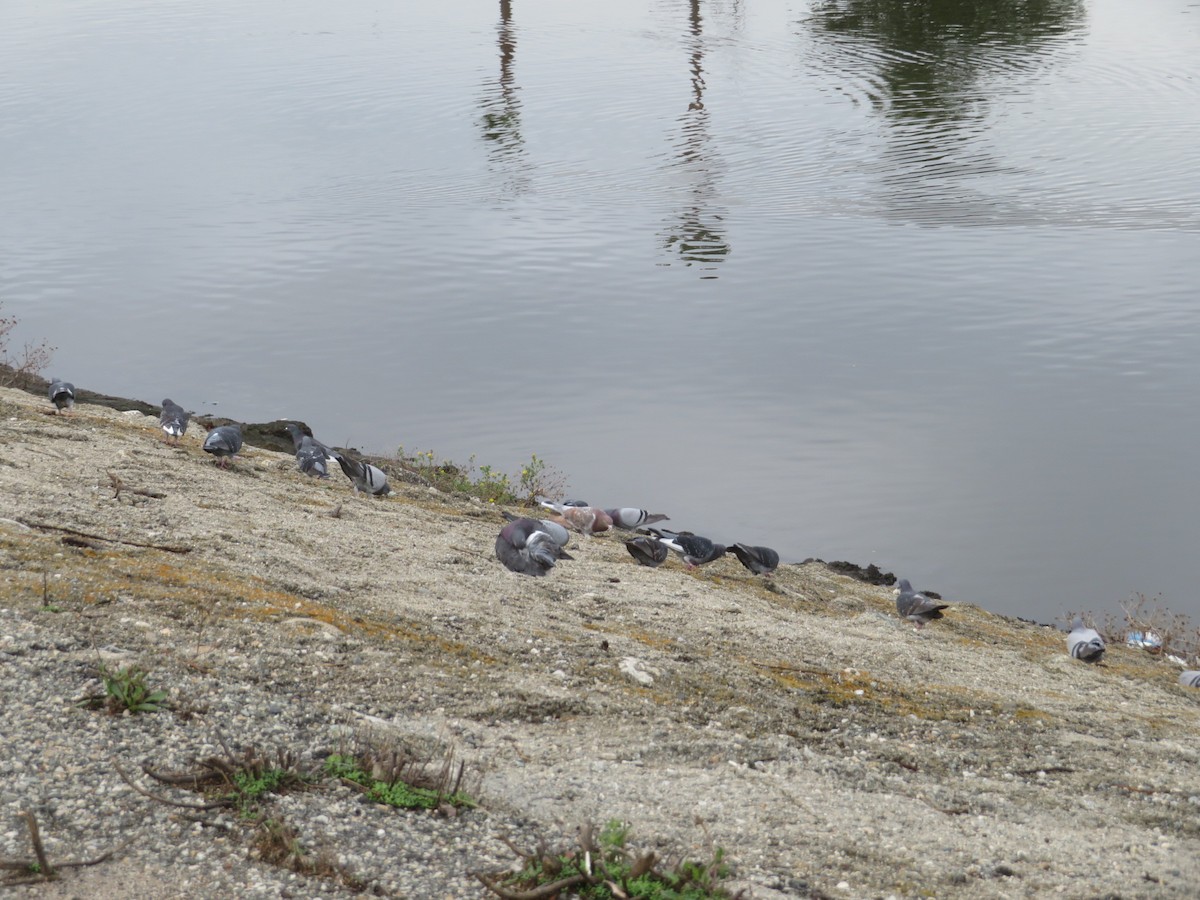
(391, 774)
(487, 483)
(605, 867)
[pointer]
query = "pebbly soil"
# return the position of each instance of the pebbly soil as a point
(794, 721)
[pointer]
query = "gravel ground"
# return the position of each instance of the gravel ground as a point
(793, 721)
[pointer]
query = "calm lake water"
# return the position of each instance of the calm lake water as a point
(915, 284)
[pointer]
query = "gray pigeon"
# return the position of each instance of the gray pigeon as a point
(62, 394)
(759, 560)
(524, 546)
(310, 453)
(1190, 679)
(366, 477)
(647, 551)
(629, 518)
(692, 548)
(223, 442)
(1085, 643)
(916, 607)
(174, 420)
(554, 529)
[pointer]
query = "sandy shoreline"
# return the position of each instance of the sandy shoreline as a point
(795, 722)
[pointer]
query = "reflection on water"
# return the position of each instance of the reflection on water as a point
(501, 119)
(696, 233)
(932, 54)
(932, 69)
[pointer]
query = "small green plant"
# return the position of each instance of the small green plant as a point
(246, 782)
(485, 482)
(125, 689)
(251, 785)
(47, 606)
(605, 868)
(395, 791)
(239, 782)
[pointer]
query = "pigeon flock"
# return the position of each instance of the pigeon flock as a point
(532, 546)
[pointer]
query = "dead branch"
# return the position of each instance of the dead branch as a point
(781, 667)
(80, 542)
(118, 485)
(1134, 789)
(544, 892)
(515, 849)
(103, 857)
(643, 864)
(192, 780)
(99, 537)
(163, 800)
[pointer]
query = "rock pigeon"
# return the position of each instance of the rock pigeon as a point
(556, 530)
(174, 420)
(310, 453)
(629, 518)
(62, 394)
(1190, 679)
(759, 560)
(916, 607)
(647, 551)
(223, 442)
(693, 549)
(1085, 643)
(587, 520)
(366, 477)
(525, 546)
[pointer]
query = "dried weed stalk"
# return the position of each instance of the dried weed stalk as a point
(23, 368)
(383, 768)
(39, 870)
